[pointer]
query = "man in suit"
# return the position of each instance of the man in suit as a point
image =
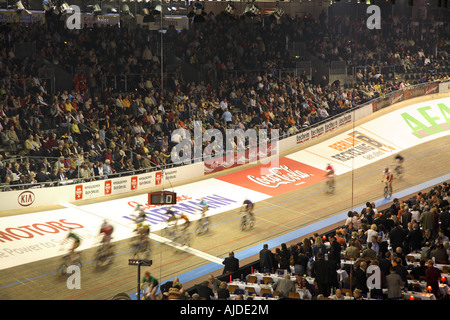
(321, 271)
(266, 259)
(445, 219)
(62, 176)
(415, 238)
(335, 251)
(405, 216)
(397, 236)
(427, 219)
(231, 263)
(41, 176)
(204, 291)
(361, 277)
(394, 284)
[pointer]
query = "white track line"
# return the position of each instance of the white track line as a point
(155, 237)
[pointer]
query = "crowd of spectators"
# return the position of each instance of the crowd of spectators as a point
(119, 117)
(384, 238)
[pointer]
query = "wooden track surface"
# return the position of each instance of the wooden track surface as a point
(275, 216)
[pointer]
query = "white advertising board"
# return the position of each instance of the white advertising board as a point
(38, 197)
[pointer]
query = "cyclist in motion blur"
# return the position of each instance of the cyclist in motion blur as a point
(248, 220)
(72, 258)
(182, 224)
(141, 215)
(142, 240)
(387, 178)
(107, 230)
(72, 236)
(203, 223)
(330, 177)
(398, 163)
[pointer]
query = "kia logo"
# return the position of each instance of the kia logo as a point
(26, 198)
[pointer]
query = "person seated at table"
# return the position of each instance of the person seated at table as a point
(204, 291)
(439, 254)
(223, 293)
(337, 295)
(284, 285)
(214, 283)
(357, 295)
(302, 284)
(419, 271)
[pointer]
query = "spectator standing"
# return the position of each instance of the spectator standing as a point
(394, 284)
(321, 271)
(231, 263)
(266, 259)
(432, 276)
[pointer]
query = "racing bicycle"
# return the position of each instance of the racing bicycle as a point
(387, 190)
(141, 247)
(182, 238)
(68, 261)
(104, 255)
(247, 221)
(202, 225)
(330, 185)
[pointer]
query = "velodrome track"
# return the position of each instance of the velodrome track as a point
(281, 217)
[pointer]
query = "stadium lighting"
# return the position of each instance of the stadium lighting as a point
(229, 9)
(20, 8)
(251, 11)
(65, 8)
(150, 14)
(96, 10)
(126, 11)
(48, 5)
(278, 13)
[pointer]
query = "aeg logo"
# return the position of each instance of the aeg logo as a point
(26, 198)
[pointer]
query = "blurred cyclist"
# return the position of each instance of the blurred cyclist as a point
(76, 243)
(183, 218)
(398, 163)
(203, 205)
(249, 207)
(171, 213)
(140, 217)
(388, 177)
(106, 229)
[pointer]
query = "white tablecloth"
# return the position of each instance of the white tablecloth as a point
(436, 265)
(242, 285)
(424, 296)
(276, 277)
(443, 288)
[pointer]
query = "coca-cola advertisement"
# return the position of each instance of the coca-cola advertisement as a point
(277, 177)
